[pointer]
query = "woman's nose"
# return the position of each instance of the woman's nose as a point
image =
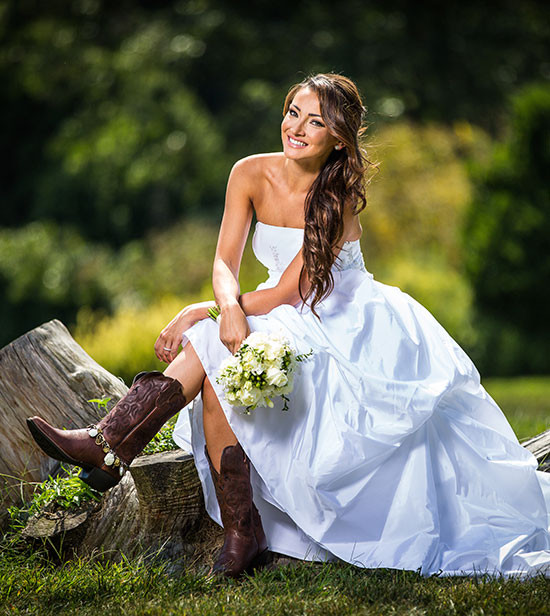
(299, 128)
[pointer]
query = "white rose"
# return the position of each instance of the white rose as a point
(232, 398)
(256, 339)
(276, 377)
(230, 364)
(288, 387)
(250, 395)
(234, 380)
(251, 363)
(275, 348)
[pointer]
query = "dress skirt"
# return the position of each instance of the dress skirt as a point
(391, 454)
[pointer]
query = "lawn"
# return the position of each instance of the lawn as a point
(525, 402)
(31, 584)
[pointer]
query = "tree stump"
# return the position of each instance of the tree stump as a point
(539, 446)
(158, 509)
(44, 372)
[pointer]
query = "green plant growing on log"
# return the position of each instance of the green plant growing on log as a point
(55, 493)
(102, 404)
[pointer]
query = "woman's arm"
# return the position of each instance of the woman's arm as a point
(231, 241)
(234, 230)
(285, 292)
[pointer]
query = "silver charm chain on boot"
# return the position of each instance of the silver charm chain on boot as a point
(111, 458)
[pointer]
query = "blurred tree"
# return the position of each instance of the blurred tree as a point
(138, 159)
(506, 240)
(47, 272)
(122, 117)
(440, 61)
(417, 200)
(104, 132)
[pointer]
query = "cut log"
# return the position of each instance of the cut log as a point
(158, 511)
(157, 507)
(44, 372)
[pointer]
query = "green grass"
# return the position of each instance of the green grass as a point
(30, 583)
(525, 402)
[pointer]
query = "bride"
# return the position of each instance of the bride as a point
(392, 453)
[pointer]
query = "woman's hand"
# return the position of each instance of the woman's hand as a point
(170, 338)
(233, 327)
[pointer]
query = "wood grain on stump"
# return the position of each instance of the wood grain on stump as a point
(169, 492)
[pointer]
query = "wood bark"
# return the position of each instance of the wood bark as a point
(44, 372)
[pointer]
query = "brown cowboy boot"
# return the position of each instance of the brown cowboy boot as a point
(245, 544)
(104, 451)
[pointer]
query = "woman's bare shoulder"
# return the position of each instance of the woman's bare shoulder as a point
(255, 166)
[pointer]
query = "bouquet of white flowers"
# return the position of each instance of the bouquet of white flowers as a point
(261, 369)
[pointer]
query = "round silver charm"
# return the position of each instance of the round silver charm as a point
(92, 432)
(109, 459)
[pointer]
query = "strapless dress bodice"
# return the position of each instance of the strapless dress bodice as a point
(276, 246)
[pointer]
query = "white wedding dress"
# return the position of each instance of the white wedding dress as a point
(391, 454)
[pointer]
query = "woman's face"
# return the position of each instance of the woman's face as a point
(303, 131)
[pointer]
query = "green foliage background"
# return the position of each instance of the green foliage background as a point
(122, 120)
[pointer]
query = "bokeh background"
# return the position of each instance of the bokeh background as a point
(121, 120)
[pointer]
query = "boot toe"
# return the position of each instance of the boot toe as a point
(57, 443)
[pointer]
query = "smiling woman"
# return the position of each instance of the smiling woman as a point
(391, 454)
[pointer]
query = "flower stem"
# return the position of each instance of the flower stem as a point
(214, 312)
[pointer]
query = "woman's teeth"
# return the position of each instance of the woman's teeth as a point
(297, 143)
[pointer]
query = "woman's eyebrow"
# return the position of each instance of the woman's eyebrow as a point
(309, 114)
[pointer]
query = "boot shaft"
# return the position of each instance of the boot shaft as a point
(244, 536)
(150, 402)
(169, 402)
(233, 489)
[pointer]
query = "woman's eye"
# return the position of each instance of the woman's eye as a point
(317, 123)
(292, 112)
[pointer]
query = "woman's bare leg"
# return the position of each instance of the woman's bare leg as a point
(188, 370)
(217, 431)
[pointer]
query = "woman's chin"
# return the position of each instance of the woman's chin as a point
(294, 153)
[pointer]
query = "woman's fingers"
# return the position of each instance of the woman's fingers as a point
(234, 344)
(233, 333)
(170, 338)
(166, 349)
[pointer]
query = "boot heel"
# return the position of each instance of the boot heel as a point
(97, 479)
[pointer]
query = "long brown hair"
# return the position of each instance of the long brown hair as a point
(340, 182)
